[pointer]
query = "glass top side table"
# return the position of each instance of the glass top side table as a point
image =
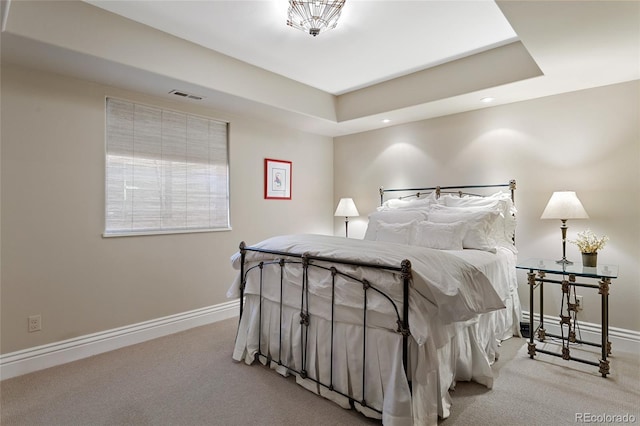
(541, 271)
(551, 266)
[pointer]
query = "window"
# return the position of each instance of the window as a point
(166, 171)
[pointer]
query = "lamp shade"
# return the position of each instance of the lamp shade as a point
(346, 208)
(564, 205)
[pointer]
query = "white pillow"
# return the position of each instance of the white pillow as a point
(480, 226)
(394, 232)
(501, 201)
(441, 236)
(411, 203)
(391, 216)
(473, 200)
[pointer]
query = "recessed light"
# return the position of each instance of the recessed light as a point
(386, 120)
(487, 99)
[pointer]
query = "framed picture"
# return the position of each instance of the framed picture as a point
(277, 179)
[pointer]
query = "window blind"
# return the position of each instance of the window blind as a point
(166, 171)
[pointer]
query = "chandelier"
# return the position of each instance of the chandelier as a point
(314, 16)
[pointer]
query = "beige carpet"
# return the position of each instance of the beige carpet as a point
(189, 379)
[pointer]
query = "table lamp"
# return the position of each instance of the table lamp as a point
(346, 208)
(564, 205)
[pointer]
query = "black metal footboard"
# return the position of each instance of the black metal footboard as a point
(336, 268)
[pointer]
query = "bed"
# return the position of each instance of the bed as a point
(386, 325)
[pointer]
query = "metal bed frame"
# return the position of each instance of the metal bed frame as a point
(333, 266)
(439, 190)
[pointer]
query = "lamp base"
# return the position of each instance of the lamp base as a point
(564, 261)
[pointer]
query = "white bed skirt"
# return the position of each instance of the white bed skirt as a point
(462, 351)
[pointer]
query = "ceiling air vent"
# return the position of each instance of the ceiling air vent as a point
(186, 95)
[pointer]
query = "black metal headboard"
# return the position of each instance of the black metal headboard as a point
(439, 190)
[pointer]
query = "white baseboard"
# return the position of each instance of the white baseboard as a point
(621, 339)
(52, 354)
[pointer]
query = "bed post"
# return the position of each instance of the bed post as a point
(406, 278)
(243, 253)
(512, 188)
(304, 314)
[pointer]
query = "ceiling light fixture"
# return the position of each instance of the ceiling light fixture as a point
(314, 16)
(487, 100)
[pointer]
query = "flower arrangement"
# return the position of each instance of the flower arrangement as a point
(588, 242)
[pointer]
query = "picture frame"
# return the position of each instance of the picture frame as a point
(277, 179)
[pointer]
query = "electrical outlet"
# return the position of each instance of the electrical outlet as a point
(35, 323)
(579, 304)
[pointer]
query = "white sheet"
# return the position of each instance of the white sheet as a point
(499, 267)
(433, 370)
(443, 285)
(453, 317)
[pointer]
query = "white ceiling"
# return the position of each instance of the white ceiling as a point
(373, 42)
(387, 59)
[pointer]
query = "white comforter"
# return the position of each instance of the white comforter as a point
(449, 293)
(443, 286)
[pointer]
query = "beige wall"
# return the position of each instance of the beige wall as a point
(54, 260)
(587, 141)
